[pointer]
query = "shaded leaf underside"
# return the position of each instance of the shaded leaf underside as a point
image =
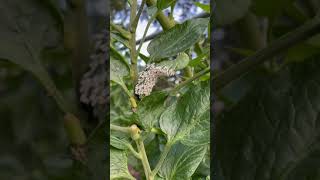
(274, 129)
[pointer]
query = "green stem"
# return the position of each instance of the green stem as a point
(162, 158)
(144, 158)
(72, 124)
(134, 152)
(133, 11)
(136, 19)
(132, 43)
(76, 40)
(196, 76)
(146, 30)
(302, 33)
(124, 87)
(198, 49)
(172, 9)
(132, 99)
(120, 128)
(122, 31)
(164, 21)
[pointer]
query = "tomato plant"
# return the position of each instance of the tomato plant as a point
(160, 129)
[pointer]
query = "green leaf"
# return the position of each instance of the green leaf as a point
(177, 39)
(163, 4)
(182, 161)
(144, 57)
(273, 131)
(117, 37)
(205, 7)
(150, 109)
(180, 62)
(153, 150)
(119, 165)
(308, 168)
(203, 169)
(269, 8)
(26, 30)
(116, 55)
(118, 70)
(194, 62)
(185, 115)
(120, 112)
(228, 11)
(118, 143)
(200, 134)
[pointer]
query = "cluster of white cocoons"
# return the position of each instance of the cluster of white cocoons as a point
(148, 78)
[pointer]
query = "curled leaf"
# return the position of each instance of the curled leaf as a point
(180, 62)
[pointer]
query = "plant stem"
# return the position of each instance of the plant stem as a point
(132, 99)
(134, 152)
(133, 66)
(124, 87)
(133, 11)
(164, 21)
(132, 43)
(146, 30)
(72, 124)
(76, 40)
(302, 33)
(162, 158)
(196, 76)
(144, 158)
(136, 19)
(120, 128)
(122, 31)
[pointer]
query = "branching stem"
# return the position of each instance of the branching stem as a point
(186, 82)
(136, 19)
(302, 33)
(134, 152)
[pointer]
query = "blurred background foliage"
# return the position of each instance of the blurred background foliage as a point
(50, 37)
(267, 118)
